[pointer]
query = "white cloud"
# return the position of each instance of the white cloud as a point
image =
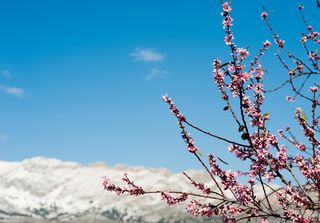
(16, 91)
(3, 137)
(147, 55)
(154, 74)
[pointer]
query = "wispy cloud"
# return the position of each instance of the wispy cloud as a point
(6, 73)
(3, 137)
(16, 91)
(148, 55)
(155, 73)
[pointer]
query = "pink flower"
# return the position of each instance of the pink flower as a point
(269, 176)
(259, 72)
(226, 7)
(228, 39)
(227, 21)
(313, 55)
(300, 67)
(243, 53)
(290, 98)
(266, 43)
(291, 72)
(280, 42)
(313, 89)
(199, 186)
(264, 15)
(282, 154)
(198, 209)
(258, 88)
(216, 64)
(228, 179)
(280, 132)
(301, 147)
(173, 200)
(132, 190)
(185, 135)
(107, 185)
(173, 108)
(303, 39)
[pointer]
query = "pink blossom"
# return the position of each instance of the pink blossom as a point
(282, 154)
(314, 55)
(111, 187)
(243, 53)
(301, 147)
(132, 190)
(290, 98)
(241, 153)
(314, 35)
(264, 15)
(228, 39)
(258, 88)
(280, 132)
(269, 175)
(232, 210)
(228, 178)
(185, 135)
(227, 21)
(199, 209)
(173, 108)
(303, 39)
(199, 186)
(259, 72)
(227, 219)
(261, 149)
(266, 43)
(299, 67)
(291, 72)
(173, 200)
(280, 42)
(226, 7)
(313, 89)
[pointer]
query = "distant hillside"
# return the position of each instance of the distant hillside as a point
(50, 190)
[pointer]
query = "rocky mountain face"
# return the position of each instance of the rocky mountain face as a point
(50, 190)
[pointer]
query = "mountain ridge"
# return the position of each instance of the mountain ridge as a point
(49, 188)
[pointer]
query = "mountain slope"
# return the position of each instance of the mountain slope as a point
(42, 188)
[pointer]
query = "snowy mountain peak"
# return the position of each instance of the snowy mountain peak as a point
(47, 188)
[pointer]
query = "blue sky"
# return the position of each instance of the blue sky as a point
(83, 80)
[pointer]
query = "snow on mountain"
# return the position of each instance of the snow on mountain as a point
(43, 188)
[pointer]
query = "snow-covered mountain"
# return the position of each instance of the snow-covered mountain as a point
(42, 190)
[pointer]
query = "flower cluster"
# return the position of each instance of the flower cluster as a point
(173, 200)
(308, 131)
(132, 190)
(184, 134)
(173, 108)
(289, 196)
(199, 186)
(197, 208)
(294, 167)
(111, 187)
(228, 179)
(309, 168)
